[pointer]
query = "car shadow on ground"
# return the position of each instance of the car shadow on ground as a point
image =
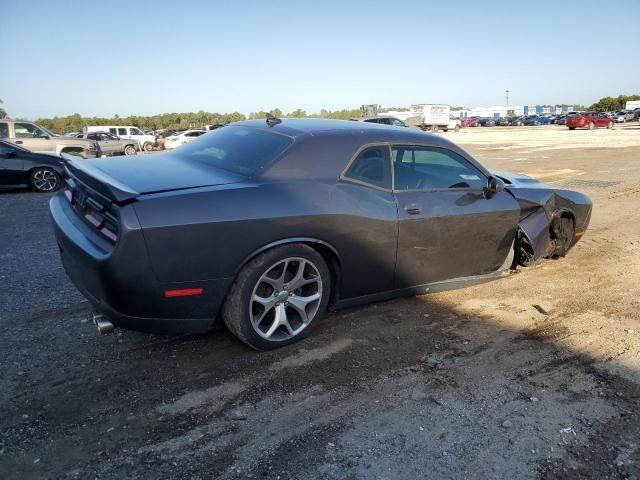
(376, 390)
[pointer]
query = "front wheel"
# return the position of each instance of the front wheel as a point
(148, 147)
(434, 128)
(572, 128)
(278, 297)
(591, 126)
(44, 180)
(610, 125)
(457, 129)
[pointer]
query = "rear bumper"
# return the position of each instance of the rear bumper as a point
(120, 284)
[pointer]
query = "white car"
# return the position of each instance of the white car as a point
(184, 137)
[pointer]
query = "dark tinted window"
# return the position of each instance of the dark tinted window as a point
(122, 131)
(372, 166)
(240, 150)
(4, 130)
(424, 168)
(113, 130)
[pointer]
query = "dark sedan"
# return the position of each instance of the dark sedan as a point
(268, 224)
(487, 122)
(19, 166)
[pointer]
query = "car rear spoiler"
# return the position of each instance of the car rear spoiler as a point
(98, 180)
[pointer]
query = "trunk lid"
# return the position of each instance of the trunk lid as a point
(124, 178)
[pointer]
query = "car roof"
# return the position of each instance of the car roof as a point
(323, 147)
(301, 127)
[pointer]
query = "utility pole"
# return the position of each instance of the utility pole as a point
(507, 95)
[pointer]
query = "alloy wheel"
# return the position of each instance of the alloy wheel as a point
(45, 180)
(286, 299)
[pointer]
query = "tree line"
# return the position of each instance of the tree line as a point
(75, 122)
(611, 104)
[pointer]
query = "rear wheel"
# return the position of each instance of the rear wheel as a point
(148, 147)
(278, 297)
(572, 128)
(434, 128)
(591, 126)
(44, 179)
(130, 150)
(610, 125)
(457, 129)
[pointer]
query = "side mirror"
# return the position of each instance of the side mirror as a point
(494, 185)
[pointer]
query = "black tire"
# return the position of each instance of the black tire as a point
(148, 147)
(44, 180)
(236, 311)
(130, 150)
(572, 128)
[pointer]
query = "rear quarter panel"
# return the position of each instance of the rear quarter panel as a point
(209, 234)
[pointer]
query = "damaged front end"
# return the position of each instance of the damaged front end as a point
(551, 222)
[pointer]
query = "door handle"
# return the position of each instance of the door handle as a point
(412, 209)
(19, 142)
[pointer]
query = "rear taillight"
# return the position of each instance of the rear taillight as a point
(95, 209)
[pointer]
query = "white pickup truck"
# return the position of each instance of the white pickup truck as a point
(145, 142)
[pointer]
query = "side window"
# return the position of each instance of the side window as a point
(93, 136)
(113, 130)
(397, 123)
(135, 131)
(4, 150)
(26, 130)
(122, 131)
(425, 168)
(372, 166)
(4, 130)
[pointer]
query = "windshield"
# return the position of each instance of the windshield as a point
(241, 150)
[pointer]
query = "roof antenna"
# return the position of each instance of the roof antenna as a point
(271, 120)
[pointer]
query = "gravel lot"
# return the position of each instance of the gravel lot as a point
(473, 383)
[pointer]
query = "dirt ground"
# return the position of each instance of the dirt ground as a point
(474, 383)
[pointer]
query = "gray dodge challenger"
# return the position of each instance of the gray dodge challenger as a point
(268, 224)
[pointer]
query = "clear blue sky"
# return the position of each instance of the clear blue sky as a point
(141, 57)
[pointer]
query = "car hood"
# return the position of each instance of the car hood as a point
(515, 180)
(124, 178)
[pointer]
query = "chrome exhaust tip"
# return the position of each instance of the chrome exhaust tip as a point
(102, 323)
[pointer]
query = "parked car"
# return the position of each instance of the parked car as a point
(561, 120)
(628, 114)
(536, 120)
(503, 121)
(517, 121)
(487, 122)
(174, 141)
(589, 120)
(19, 166)
(617, 117)
(38, 139)
(270, 223)
(112, 145)
(470, 122)
(146, 142)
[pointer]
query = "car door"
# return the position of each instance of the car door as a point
(11, 166)
(448, 226)
(29, 136)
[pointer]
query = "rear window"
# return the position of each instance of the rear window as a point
(240, 150)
